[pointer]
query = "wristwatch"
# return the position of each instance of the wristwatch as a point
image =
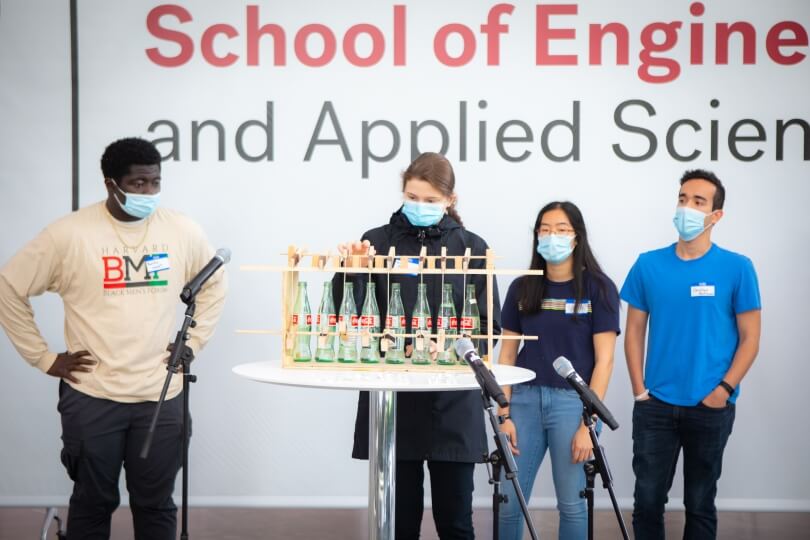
(727, 387)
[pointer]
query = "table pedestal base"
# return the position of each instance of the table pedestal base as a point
(382, 461)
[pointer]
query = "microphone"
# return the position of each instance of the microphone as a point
(465, 349)
(565, 370)
(222, 256)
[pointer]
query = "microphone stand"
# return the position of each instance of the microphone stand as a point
(178, 359)
(502, 457)
(598, 465)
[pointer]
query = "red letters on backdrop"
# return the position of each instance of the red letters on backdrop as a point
(555, 27)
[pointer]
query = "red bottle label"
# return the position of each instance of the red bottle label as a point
(466, 323)
(416, 322)
(368, 321)
(331, 318)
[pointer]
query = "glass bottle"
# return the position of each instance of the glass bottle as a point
(470, 318)
(348, 322)
(396, 324)
(421, 323)
(370, 324)
(326, 321)
(302, 322)
(448, 323)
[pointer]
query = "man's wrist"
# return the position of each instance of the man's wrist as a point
(642, 396)
(46, 361)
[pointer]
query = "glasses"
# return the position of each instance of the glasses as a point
(563, 230)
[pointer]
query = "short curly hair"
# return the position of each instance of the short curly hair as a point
(119, 156)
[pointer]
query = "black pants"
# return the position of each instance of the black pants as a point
(451, 486)
(99, 436)
(660, 432)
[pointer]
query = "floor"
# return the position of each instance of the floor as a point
(294, 524)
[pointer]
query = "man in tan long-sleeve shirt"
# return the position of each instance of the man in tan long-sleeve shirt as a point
(119, 266)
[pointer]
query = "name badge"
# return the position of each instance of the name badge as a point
(412, 263)
(583, 309)
(702, 289)
(157, 262)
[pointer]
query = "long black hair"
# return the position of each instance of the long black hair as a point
(532, 288)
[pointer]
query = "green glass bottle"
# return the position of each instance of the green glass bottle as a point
(302, 322)
(448, 323)
(348, 321)
(421, 323)
(326, 321)
(470, 318)
(370, 323)
(396, 324)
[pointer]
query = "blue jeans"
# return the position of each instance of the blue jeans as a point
(546, 418)
(660, 431)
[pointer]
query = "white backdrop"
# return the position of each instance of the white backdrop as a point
(263, 445)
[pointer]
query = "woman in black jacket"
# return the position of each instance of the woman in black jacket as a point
(446, 429)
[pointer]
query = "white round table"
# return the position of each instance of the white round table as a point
(382, 387)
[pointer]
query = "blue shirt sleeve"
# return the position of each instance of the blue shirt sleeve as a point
(605, 315)
(746, 294)
(633, 289)
(510, 314)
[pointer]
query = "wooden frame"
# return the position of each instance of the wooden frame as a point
(377, 264)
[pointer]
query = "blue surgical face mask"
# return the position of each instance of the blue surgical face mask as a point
(689, 222)
(422, 214)
(555, 248)
(137, 205)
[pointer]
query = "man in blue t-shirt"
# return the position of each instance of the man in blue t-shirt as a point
(703, 307)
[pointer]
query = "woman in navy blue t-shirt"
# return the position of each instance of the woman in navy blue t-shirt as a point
(574, 309)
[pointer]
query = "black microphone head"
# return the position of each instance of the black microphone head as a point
(224, 254)
(464, 346)
(563, 367)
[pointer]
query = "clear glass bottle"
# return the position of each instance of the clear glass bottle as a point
(302, 322)
(350, 322)
(421, 323)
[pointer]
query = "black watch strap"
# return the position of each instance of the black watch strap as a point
(727, 387)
